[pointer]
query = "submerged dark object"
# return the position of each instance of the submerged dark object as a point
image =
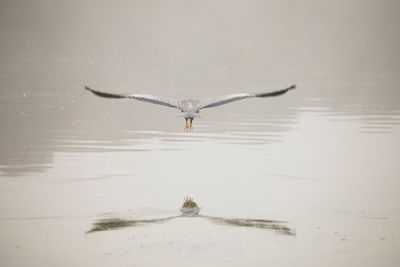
(191, 209)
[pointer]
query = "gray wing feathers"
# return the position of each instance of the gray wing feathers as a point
(222, 100)
(165, 101)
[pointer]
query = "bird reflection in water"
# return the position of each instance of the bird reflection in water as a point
(191, 209)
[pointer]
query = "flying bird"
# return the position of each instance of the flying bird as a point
(190, 108)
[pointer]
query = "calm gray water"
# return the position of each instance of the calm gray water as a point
(323, 158)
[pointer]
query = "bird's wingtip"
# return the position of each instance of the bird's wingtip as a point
(88, 88)
(292, 87)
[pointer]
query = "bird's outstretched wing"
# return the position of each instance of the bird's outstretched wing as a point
(165, 101)
(222, 100)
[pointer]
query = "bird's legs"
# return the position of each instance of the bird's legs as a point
(186, 125)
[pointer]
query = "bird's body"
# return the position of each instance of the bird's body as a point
(190, 108)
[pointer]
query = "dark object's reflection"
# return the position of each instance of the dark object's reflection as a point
(190, 209)
(115, 223)
(277, 226)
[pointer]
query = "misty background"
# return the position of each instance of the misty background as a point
(343, 56)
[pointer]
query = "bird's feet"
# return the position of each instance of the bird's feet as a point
(188, 127)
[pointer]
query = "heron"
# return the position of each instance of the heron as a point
(190, 108)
